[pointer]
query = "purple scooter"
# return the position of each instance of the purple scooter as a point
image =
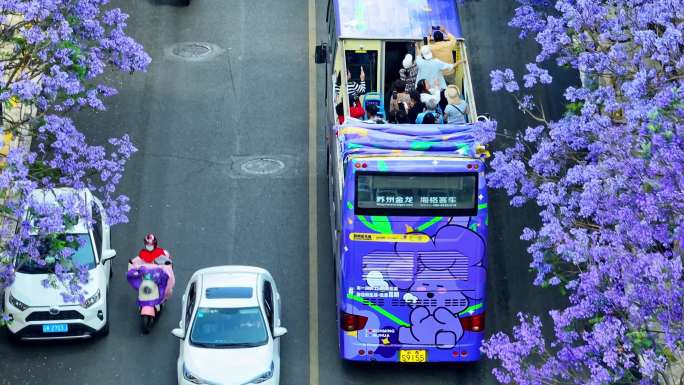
(154, 283)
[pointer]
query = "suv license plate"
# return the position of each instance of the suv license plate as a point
(412, 356)
(55, 328)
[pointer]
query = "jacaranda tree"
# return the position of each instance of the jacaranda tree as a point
(607, 178)
(53, 54)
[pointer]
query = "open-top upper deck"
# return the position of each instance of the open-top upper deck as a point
(394, 19)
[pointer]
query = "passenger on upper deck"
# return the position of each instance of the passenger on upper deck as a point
(355, 109)
(402, 117)
(353, 88)
(431, 109)
(427, 91)
(373, 117)
(399, 95)
(456, 112)
(415, 106)
(339, 111)
(408, 73)
(443, 49)
(430, 68)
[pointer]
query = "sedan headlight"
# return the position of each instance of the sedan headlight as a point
(191, 377)
(264, 376)
(18, 304)
(92, 300)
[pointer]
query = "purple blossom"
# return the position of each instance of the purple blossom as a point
(68, 45)
(504, 80)
(608, 183)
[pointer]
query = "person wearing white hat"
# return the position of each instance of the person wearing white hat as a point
(408, 73)
(431, 69)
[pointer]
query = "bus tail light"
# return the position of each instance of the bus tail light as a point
(352, 322)
(474, 323)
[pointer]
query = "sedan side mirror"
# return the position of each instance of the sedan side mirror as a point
(279, 332)
(178, 332)
(108, 255)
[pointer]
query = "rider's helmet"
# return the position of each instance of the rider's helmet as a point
(150, 240)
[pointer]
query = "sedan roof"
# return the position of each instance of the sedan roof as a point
(228, 289)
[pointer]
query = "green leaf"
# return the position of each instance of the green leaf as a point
(20, 41)
(80, 71)
(574, 108)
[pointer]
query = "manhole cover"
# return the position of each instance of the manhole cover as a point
(262, 166)
(191, 50)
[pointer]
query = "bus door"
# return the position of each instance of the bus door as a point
(366, 55)
(394, 54)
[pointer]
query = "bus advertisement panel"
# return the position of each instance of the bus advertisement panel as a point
(409, 218)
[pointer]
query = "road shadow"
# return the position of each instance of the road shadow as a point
(172, 3)
(62, 345)
(437, 373)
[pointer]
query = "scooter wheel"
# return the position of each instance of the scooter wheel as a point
(147, 322)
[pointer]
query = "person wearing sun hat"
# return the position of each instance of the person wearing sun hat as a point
(456, 111)
(408, 73)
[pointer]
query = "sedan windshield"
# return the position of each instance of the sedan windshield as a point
(228, 328)
(83, 256)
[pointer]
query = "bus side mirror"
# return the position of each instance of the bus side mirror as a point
(321, 53)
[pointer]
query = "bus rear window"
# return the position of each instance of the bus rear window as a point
(416, 194)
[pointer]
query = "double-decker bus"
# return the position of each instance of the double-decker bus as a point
(408, 203)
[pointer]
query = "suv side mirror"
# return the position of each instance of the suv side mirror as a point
(178, 332)
(279, 332)
(107, 255)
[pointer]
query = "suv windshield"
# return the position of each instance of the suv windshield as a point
(83, 256)
(228, 328)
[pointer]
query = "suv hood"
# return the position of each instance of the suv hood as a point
(28, 288)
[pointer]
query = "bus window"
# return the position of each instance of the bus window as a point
(369, 61)
(416, 194)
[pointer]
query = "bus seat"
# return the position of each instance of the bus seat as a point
(374, 98)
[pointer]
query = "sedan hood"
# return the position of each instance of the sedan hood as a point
(28, 288)
(228, 366)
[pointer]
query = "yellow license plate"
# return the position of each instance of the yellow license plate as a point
(412, 356)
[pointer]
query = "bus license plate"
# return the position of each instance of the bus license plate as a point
(55, 328)
(412, 356)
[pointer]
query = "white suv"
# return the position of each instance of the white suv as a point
(38, 313)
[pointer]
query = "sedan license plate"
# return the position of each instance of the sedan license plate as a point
(55, 328)
(412, 356)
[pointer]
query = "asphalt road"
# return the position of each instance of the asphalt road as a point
(196, 121)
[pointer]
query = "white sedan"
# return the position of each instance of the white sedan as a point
(230, 328)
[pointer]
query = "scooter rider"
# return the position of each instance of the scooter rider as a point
(152, 251)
